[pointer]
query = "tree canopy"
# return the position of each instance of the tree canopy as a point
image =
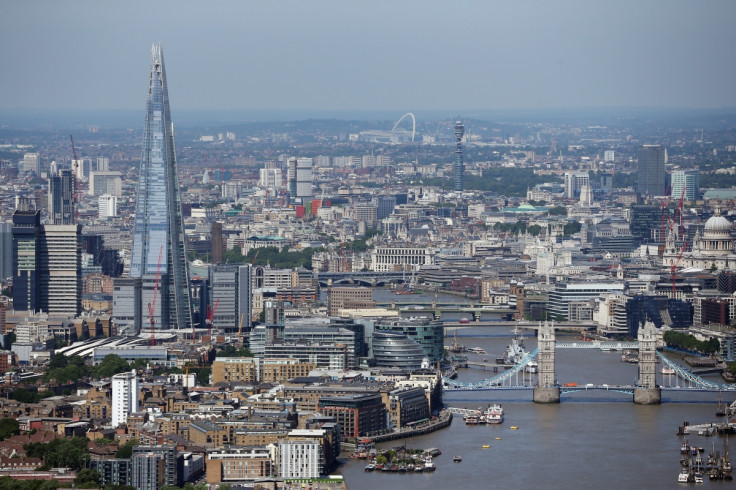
(689, 342)
(70, 452)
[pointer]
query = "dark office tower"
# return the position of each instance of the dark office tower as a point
(26, 238)
(61, 198)
(216, 242)
(159, 254)
(6, 250)
(459, 132)
(651, 173)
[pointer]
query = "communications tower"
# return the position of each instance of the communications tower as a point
(459, 168)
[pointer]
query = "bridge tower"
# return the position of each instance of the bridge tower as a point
(647, 392)
(547, 391)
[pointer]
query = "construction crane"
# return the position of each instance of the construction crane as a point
(240, 327)
(152, 306)
(673, 270)
(210, 315)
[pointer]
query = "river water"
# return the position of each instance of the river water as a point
(590, 439)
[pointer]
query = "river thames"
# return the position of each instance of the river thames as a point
(590, 439)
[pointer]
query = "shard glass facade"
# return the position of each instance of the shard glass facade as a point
(159, 253)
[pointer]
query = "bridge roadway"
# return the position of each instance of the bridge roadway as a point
(628, 389)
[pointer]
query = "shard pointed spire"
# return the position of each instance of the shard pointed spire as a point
(159, 253)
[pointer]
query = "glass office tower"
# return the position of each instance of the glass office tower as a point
(651, 173)
(159, 255)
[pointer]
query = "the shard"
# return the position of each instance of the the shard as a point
(159, 255)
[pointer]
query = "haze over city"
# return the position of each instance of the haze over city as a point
(332, 245)
(327, 56)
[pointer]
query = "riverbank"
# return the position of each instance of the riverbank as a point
(444, 419)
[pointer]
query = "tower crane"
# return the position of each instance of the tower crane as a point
(210, 315)
(673, 270)
(152, 306)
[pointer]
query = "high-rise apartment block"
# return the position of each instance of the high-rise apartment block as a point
(60, 270)
(651, 173)
(124, 396)
(159, 252)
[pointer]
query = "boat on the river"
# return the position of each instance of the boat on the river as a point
(494, 414)
(457, 459)
(686, 476)
(516, 352)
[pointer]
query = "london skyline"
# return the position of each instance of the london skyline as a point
(331, 56)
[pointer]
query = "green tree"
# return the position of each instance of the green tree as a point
(232, 351)
(8, 428)
(203, 376)
(110, 365)
(558, 211)
(87, 478)
(572, 228)
(126, 450)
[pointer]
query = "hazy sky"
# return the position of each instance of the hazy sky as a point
(370, 55)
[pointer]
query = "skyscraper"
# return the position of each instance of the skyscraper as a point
(26, 236)
(61, 198)
(459, 168)
(159, 254)
(651, 173)
(47, 264)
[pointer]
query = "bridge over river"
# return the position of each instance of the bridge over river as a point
(547, 390)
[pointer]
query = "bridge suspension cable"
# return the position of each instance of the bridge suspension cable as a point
(495, 381)
(694, 378)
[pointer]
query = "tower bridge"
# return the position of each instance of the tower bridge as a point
(547, 390)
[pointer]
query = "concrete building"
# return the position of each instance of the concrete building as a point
(237, 464)
(385, 259)
(126, 306)
(107, 206)
(124, 397)
(105, 183)
(566, 293)
(223, 282)
(301, 458)
(60, 270)
(31, 163)
(574, 182)
(349, 297)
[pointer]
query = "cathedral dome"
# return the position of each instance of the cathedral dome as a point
(717, 224)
